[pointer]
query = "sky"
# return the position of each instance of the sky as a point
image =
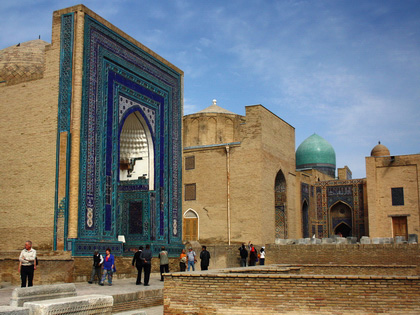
(348, 71)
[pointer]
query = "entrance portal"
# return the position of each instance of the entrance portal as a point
(341, 219)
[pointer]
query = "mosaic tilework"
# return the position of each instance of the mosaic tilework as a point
(329, 193)
(116, 74)
(63, 122)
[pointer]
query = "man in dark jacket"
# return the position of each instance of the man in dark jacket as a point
(205, 258)
(97, 267)
(244, 255)
(138, 263)
(146, 257)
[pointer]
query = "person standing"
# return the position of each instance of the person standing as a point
(191, 259)
(138, 263)
(262, 255)
(204, 258)
(182, 260)
(97, 267)
(253, 256)
(109, 265)
(146, 257)
(27, 264)
(164, 262)
(244, 255)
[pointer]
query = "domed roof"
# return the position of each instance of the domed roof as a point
(214, 108)
(313, 151)
(379, 150)
(22, 62)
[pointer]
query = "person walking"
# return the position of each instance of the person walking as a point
(138, 263)
(27, 264)
(109, 265)
(146, 256)
(164, 262)
(191, 259)
(262, 255)
(244, 255)
(182, 260)
(97, 267)
(204, 258)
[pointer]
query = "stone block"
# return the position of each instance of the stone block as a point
(42, 292)
(352, 239)
(85, 304)
(327, 240)
(315, 241)
(365, 240)
(281, 241)
(400, 240)
(377, 240)
(304, 241)
(388, 240)
(412, 239)
(14, 310)
(341, 240)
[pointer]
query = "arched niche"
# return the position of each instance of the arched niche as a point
(280, 206)
(305, 219)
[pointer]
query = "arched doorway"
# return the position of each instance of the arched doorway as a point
(305, 219)
(280, 206)
(190, 226)
(341, 219)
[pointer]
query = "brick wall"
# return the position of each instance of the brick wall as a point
(60, 267)
(235, 293)
(358, 254)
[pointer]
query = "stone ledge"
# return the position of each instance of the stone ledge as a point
(86, 304)
(42, 292)
(14, 310)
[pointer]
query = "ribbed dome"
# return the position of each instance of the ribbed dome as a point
(22, 62)
(317, 153)
(379, 150)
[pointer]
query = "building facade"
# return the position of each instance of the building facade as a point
(243, 181)
(95, 132)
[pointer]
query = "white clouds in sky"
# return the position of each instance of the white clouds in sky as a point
(347, 70)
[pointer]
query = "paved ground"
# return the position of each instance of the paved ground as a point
(119, 286)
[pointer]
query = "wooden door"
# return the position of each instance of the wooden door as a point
(190, 229)
(399, 227)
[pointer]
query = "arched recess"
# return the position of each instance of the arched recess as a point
(228, 130)
(341, 219)
(211, 131)
(280, 206)
(190, 226)
(305, 219)
(136, 150)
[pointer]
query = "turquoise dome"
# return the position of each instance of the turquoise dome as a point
(316, 152)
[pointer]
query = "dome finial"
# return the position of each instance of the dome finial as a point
(214, 101)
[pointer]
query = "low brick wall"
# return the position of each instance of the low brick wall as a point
(219, 292)
(52, 268)
(61, 267)
(349, 254)
(379, 270)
